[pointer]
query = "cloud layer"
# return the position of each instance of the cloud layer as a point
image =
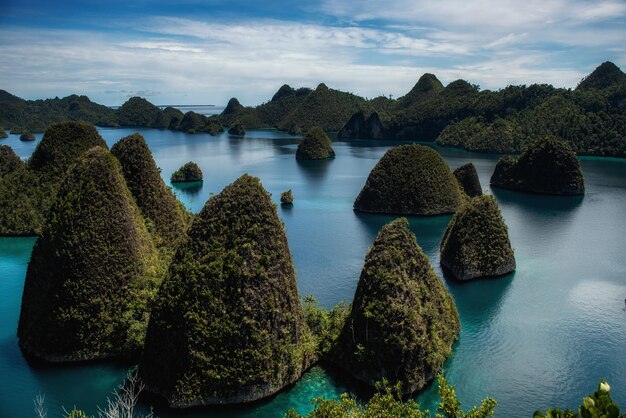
(381, 48)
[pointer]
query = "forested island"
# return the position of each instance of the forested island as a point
(591, 118)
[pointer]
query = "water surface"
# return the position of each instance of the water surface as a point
(542, 336)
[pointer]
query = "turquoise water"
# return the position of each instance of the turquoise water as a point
(540, 337)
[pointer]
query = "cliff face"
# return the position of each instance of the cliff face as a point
(476, 243)
(86, 290)
(315, 145)
(158, 205)
(359, 127)
(403, 320)
(468, 179)
(548, 166)
(410, 180)
(227, 326)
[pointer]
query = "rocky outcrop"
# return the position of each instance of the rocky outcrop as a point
(403, 320)
(158, 205)
(27, 137)
(286, 198)
(237, 129)
(315, 145)
(476, 243)
(168, 118)
(187, 173)
(85, 294)
(410, 180)
(548, 166)
(359, 127)
(228, 325)
(468, 179)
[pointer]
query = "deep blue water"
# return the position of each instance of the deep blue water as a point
(540, 337)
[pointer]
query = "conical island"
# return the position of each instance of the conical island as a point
(315, 145)
(476, 243)
(403, 320)
(228, 326)
(86, 287)
(27, 137)
(9, 161)
(468, 179)
(410, 180)
(158, 205)
(187, 173)
(548, 166)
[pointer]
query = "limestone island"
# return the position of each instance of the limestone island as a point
(227, 326)
(189, 172)
(315, 145)
(410, 180)
(237, 129)
(85, 289)
(9, 161)
(3, 134)
(403, 320)
(468, 179)
(166, 216)
(476, 243)
(547, 166)
(286, 198)
(27, 136)
(359, 127)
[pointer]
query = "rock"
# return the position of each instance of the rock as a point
(228, 325)
(286, 198)
(27, 136)
(168, 118)
(85, 295)
(373, 127)
(60, 147)
(548, 166)
(410, 180)
(354, 128)
(476, 243)
(137, 111)
(315, 145)
(468, 179)
(403, 320)
(606, 75)
(9, 161)
(158, 205)
(187, 173)
(237, 129)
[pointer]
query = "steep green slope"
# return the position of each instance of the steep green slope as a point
(89, 279)
(403, 320)
(315, 145)
(138, 112)
(410, 180)
(228, 325)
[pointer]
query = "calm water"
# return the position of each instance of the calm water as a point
(540, 337)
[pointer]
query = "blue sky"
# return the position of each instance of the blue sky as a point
(204, 52)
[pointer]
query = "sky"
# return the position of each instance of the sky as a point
(204, 52)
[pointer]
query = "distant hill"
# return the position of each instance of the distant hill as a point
(606, 75)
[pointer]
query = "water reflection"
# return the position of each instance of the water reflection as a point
(315, 170)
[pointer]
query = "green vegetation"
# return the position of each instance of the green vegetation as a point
(476, 243)
(247, 116)
(169, 118)
(92, 272)
(237, 129)
(286, 198)
(597, 405)
(426, 87)
(410, 180)
(359, 127)
(137, 112)
(283, 102)
(548, 166)
(315, 145)
(323, 107)
(606, 75)
(403, 320)
(27, 136)
(193, 122)
(228, 325)
(18, 115)
(27, 193)
(468, 179)
(9, 161)
(165, 216)
(3, 134)
(388, 403)
(187, 173)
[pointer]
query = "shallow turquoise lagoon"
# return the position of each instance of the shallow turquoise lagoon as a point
(540, 337)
